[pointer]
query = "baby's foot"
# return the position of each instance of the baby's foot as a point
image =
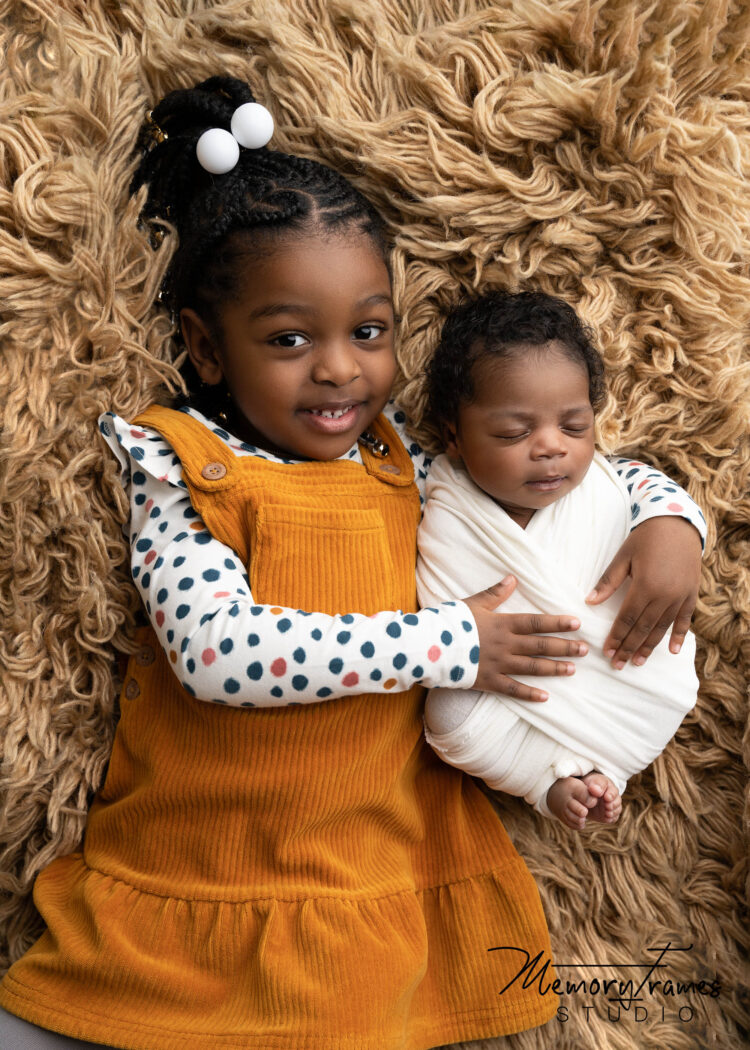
(608, 801)
(573, 799)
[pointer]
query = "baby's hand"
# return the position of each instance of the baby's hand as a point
(515, 643)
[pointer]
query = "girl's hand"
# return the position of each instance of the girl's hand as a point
(663, 558)
(514, 643)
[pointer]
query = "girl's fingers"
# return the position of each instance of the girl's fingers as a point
(613, 577)
(682, 624)
(495, 595)
(549, 668)
(537, 624)
(663, 623)
(635, 627)
(517, 690)
(539, 645)
(496, 681)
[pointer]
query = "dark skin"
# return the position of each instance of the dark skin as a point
(312, 327)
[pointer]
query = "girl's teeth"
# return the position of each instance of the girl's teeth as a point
(330, 413)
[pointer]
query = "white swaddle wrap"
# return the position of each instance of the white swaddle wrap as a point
(616, 722)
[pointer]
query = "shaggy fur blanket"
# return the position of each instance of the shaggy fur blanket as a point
(596, 149)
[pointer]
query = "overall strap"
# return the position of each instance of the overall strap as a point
(395, 468)
(207, 462)
(209, 465)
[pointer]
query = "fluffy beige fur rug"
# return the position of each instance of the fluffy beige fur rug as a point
(598, 149)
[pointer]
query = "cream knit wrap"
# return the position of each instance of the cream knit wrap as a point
(616, 722)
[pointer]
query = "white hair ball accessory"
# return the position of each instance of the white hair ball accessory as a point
(252, 125)
(218, 151)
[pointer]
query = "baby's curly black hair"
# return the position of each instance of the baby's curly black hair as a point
(501, 325)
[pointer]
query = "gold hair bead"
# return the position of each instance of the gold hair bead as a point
(377, 447)
(157, 134)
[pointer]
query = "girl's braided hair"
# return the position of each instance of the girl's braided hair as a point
(223, 219)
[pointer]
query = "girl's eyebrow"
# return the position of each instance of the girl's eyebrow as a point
(274, 309)
(378, 299)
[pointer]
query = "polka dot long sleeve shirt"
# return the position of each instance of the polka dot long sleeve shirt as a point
(230, 650)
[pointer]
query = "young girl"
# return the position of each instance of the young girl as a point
(514, 383)
(304, 873)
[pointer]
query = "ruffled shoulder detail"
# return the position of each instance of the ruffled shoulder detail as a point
(140, 449)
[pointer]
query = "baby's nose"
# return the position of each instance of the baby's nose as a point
(549, 442)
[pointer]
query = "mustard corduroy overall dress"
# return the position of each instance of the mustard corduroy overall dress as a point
(308, 877)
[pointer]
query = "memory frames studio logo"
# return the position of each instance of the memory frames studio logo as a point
(641, 991)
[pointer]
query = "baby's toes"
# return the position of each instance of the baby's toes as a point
(616, 808)
(577, 808)
(610, 811)
(580, 793)
(597, 784)
(574, 815)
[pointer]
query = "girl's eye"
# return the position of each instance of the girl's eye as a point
(511, 437)
(289, 340)
(367, 332)
(576, 430)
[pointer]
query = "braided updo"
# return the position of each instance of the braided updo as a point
(222, 219)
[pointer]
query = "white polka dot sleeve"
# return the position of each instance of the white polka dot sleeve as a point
(653, 494)
(224, 647)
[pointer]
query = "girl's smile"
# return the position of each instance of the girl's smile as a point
(305, 347)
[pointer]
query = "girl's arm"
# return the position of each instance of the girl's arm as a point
(662, 557)
(225, 648)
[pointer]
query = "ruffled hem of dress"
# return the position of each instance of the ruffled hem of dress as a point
(465, 1027)
(405, 972)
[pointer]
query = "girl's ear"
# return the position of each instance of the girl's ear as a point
(201, 346)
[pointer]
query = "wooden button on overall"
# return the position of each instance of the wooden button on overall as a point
(145, 656)
(213, 471)
(132, 689)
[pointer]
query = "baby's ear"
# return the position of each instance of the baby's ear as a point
(449, 435)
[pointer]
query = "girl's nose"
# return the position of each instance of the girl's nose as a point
(337, 363)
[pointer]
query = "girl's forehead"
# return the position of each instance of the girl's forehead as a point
(315, 260)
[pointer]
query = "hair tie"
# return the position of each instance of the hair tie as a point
(218, 150)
